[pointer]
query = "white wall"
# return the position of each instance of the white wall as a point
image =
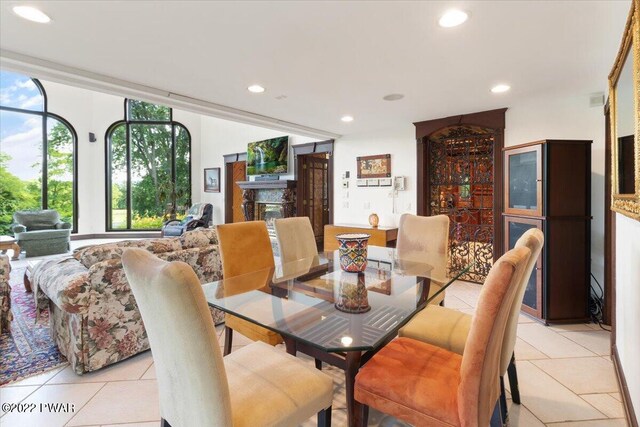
(355, 204)
(220, 137)
(628, 302)
(567, 117)
(562, 117)
(90, 111)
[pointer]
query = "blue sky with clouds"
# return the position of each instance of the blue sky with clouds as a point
(21, 134)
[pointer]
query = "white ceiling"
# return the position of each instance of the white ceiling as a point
(333, 58)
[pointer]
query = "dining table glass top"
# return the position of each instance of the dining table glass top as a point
(312, 300)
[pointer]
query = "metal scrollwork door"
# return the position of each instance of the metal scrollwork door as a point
(462, 187)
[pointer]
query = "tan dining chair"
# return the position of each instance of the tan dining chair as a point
(245, 247)
(423, 239)
(296, 238)
(257, 385)
(427, 385)
(449, 329)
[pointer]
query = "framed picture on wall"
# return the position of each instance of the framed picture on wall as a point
(378, 166)
(212, 180)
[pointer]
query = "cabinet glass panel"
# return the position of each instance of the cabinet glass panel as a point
(523, 178)
(516, 230)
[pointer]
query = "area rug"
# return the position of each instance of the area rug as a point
(27, 348)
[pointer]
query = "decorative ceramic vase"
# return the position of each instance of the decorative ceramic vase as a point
(353, 251)
(353, 298)
(374, 220)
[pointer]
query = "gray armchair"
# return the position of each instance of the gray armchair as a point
(41, 232)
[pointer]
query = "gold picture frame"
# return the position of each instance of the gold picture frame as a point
(626, 204)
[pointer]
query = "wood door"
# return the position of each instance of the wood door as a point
(239, 173)
(514, 228)
(313, 191)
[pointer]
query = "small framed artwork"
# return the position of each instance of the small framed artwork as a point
(385, 182)
(212, 180)
(373, 182)
(378, 166)
(361, 183)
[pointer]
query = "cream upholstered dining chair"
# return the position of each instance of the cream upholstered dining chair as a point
(245, 247)
(449, 328)
(256, 385)
(422, 239)
(427, 385)
(296, 238)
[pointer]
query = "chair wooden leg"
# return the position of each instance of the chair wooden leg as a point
(228, 340)
(495, 417)
(504, 415)
(164, 423)
(319, 364)
(324, 417)
(513, 380)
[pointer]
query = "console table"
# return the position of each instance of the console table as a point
(380, 236)
(8, 242)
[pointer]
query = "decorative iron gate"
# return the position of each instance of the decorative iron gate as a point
(462, 187)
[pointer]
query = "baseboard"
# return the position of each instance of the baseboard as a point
(630, 413)
(119, 235)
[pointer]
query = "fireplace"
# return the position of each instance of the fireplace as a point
(269, 212)
(268, 200)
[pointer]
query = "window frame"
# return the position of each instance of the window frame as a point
(108, 164)
(45, 114)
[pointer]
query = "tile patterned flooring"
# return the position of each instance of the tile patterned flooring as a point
(566, 380)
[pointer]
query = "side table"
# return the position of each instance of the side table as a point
(8, 242)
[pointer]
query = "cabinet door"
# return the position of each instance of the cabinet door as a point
(523, 181)
(514, 228)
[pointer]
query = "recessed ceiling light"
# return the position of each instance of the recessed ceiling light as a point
(500, 88)
(347, 119)
(255, 89)
(453, 18)
(31, 13)
(393, 97)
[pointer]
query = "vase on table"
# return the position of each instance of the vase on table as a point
(374, 220)
(352, 248)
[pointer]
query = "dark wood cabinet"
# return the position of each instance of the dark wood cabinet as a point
(548, 186)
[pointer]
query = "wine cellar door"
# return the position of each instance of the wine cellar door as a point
(461, 187)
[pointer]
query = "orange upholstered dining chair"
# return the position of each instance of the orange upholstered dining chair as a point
(245, 248)
(448, 328)
(426, 385)
(424, 239)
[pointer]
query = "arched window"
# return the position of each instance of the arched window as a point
(148, 167)
(38, 166)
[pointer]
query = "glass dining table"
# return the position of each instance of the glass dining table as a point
(337, 317)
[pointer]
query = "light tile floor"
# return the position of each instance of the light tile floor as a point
(566, 380)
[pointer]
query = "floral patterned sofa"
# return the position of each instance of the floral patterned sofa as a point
(94, 317)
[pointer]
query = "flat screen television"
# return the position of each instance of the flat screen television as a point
(268, 156)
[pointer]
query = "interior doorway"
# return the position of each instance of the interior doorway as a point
(235, 171)
(314, 174)
(460, 175)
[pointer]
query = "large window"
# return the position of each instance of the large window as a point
(148, 168)
(37, 153)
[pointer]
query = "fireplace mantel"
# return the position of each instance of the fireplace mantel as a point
(267, 185)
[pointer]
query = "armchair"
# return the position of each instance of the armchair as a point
(41, 232)
(199, 215)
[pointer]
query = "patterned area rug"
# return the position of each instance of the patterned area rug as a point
(27, 348)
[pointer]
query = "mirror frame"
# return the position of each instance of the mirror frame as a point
(626, 204)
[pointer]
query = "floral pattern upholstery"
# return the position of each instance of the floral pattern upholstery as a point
(5, 294)
(94, 317)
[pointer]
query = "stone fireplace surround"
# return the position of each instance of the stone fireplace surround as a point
(259, 198)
